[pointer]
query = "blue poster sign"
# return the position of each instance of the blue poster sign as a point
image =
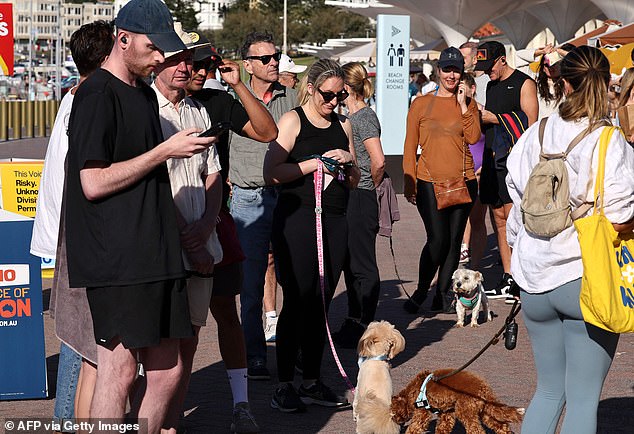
(23, 373)
(392, 80)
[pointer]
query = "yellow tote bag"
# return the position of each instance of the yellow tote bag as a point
(607, 285)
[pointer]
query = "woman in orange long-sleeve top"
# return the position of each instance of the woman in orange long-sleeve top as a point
(442, 123)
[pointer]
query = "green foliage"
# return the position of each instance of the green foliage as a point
(184, 11)
(309, 21)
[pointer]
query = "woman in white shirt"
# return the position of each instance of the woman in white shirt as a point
(572, 357)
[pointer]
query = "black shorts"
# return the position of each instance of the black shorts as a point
(140, 315)
(493, 189)
(227, 280)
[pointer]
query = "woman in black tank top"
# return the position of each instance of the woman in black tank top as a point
(311, 129)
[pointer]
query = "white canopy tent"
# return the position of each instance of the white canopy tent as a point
(421, 29)
(364, 53)
(456, 21)
(565, 17)
(622, 10)
(520, 27)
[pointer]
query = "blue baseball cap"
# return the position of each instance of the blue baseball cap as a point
(451, 56)
(153, 19)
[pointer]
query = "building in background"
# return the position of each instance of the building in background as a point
(46, 16)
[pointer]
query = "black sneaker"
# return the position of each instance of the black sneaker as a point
(257, 370)
(286, 399)
(502, 288)
(349, 334)
(321, 394)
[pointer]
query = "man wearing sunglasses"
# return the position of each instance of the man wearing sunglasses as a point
(252, 200)
(508, 91)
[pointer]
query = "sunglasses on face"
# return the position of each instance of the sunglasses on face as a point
(329, 95)
(207, 64)
(265, 59)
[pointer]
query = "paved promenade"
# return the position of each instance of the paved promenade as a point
(432, 342)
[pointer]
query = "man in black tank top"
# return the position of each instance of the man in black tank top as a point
(508, 91)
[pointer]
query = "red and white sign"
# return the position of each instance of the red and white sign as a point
(6, 38)
(14, 274)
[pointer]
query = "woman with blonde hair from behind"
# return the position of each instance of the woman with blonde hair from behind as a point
(572, 357)
(360, 271)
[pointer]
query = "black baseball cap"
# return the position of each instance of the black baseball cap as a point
(451, 57)
(488, 53)
(153, 19)
(202, 47)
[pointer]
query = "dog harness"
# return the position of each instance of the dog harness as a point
(469, 303)
(422, 401)
(381, 358)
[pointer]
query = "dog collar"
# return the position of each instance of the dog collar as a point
(381, 358)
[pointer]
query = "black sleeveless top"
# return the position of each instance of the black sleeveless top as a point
(313, 140)
(503, 97)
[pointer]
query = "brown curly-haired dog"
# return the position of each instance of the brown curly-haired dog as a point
(463, 396)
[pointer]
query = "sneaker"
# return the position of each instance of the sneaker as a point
(502, 288)
(257, 370)
(349, 334)
(321, 394)
(242, 420)
(465, 255)
(269, 330)
(286, 399)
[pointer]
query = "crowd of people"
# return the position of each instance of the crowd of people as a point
(173, 197)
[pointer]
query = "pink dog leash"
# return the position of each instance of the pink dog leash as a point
(318, 177)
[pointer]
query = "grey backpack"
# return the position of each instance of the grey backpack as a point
(545, 206)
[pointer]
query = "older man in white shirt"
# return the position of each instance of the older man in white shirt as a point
(197, 190)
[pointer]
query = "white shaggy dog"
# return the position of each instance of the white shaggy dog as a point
(467, 285)
(373, 397)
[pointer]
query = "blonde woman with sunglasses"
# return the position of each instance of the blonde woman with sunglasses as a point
(313, 129)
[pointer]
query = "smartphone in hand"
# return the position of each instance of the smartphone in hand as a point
(216, 130)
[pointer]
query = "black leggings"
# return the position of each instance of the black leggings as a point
(444, 229)
(301, 323)
(361, 273)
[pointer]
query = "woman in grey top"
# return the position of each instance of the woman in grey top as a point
(360, 271)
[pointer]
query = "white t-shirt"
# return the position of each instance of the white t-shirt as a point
(188, 188)
(542, 264)
(49, 199)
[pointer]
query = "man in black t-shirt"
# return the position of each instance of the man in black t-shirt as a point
(251, 120)
(508, 91)
(122, 238)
